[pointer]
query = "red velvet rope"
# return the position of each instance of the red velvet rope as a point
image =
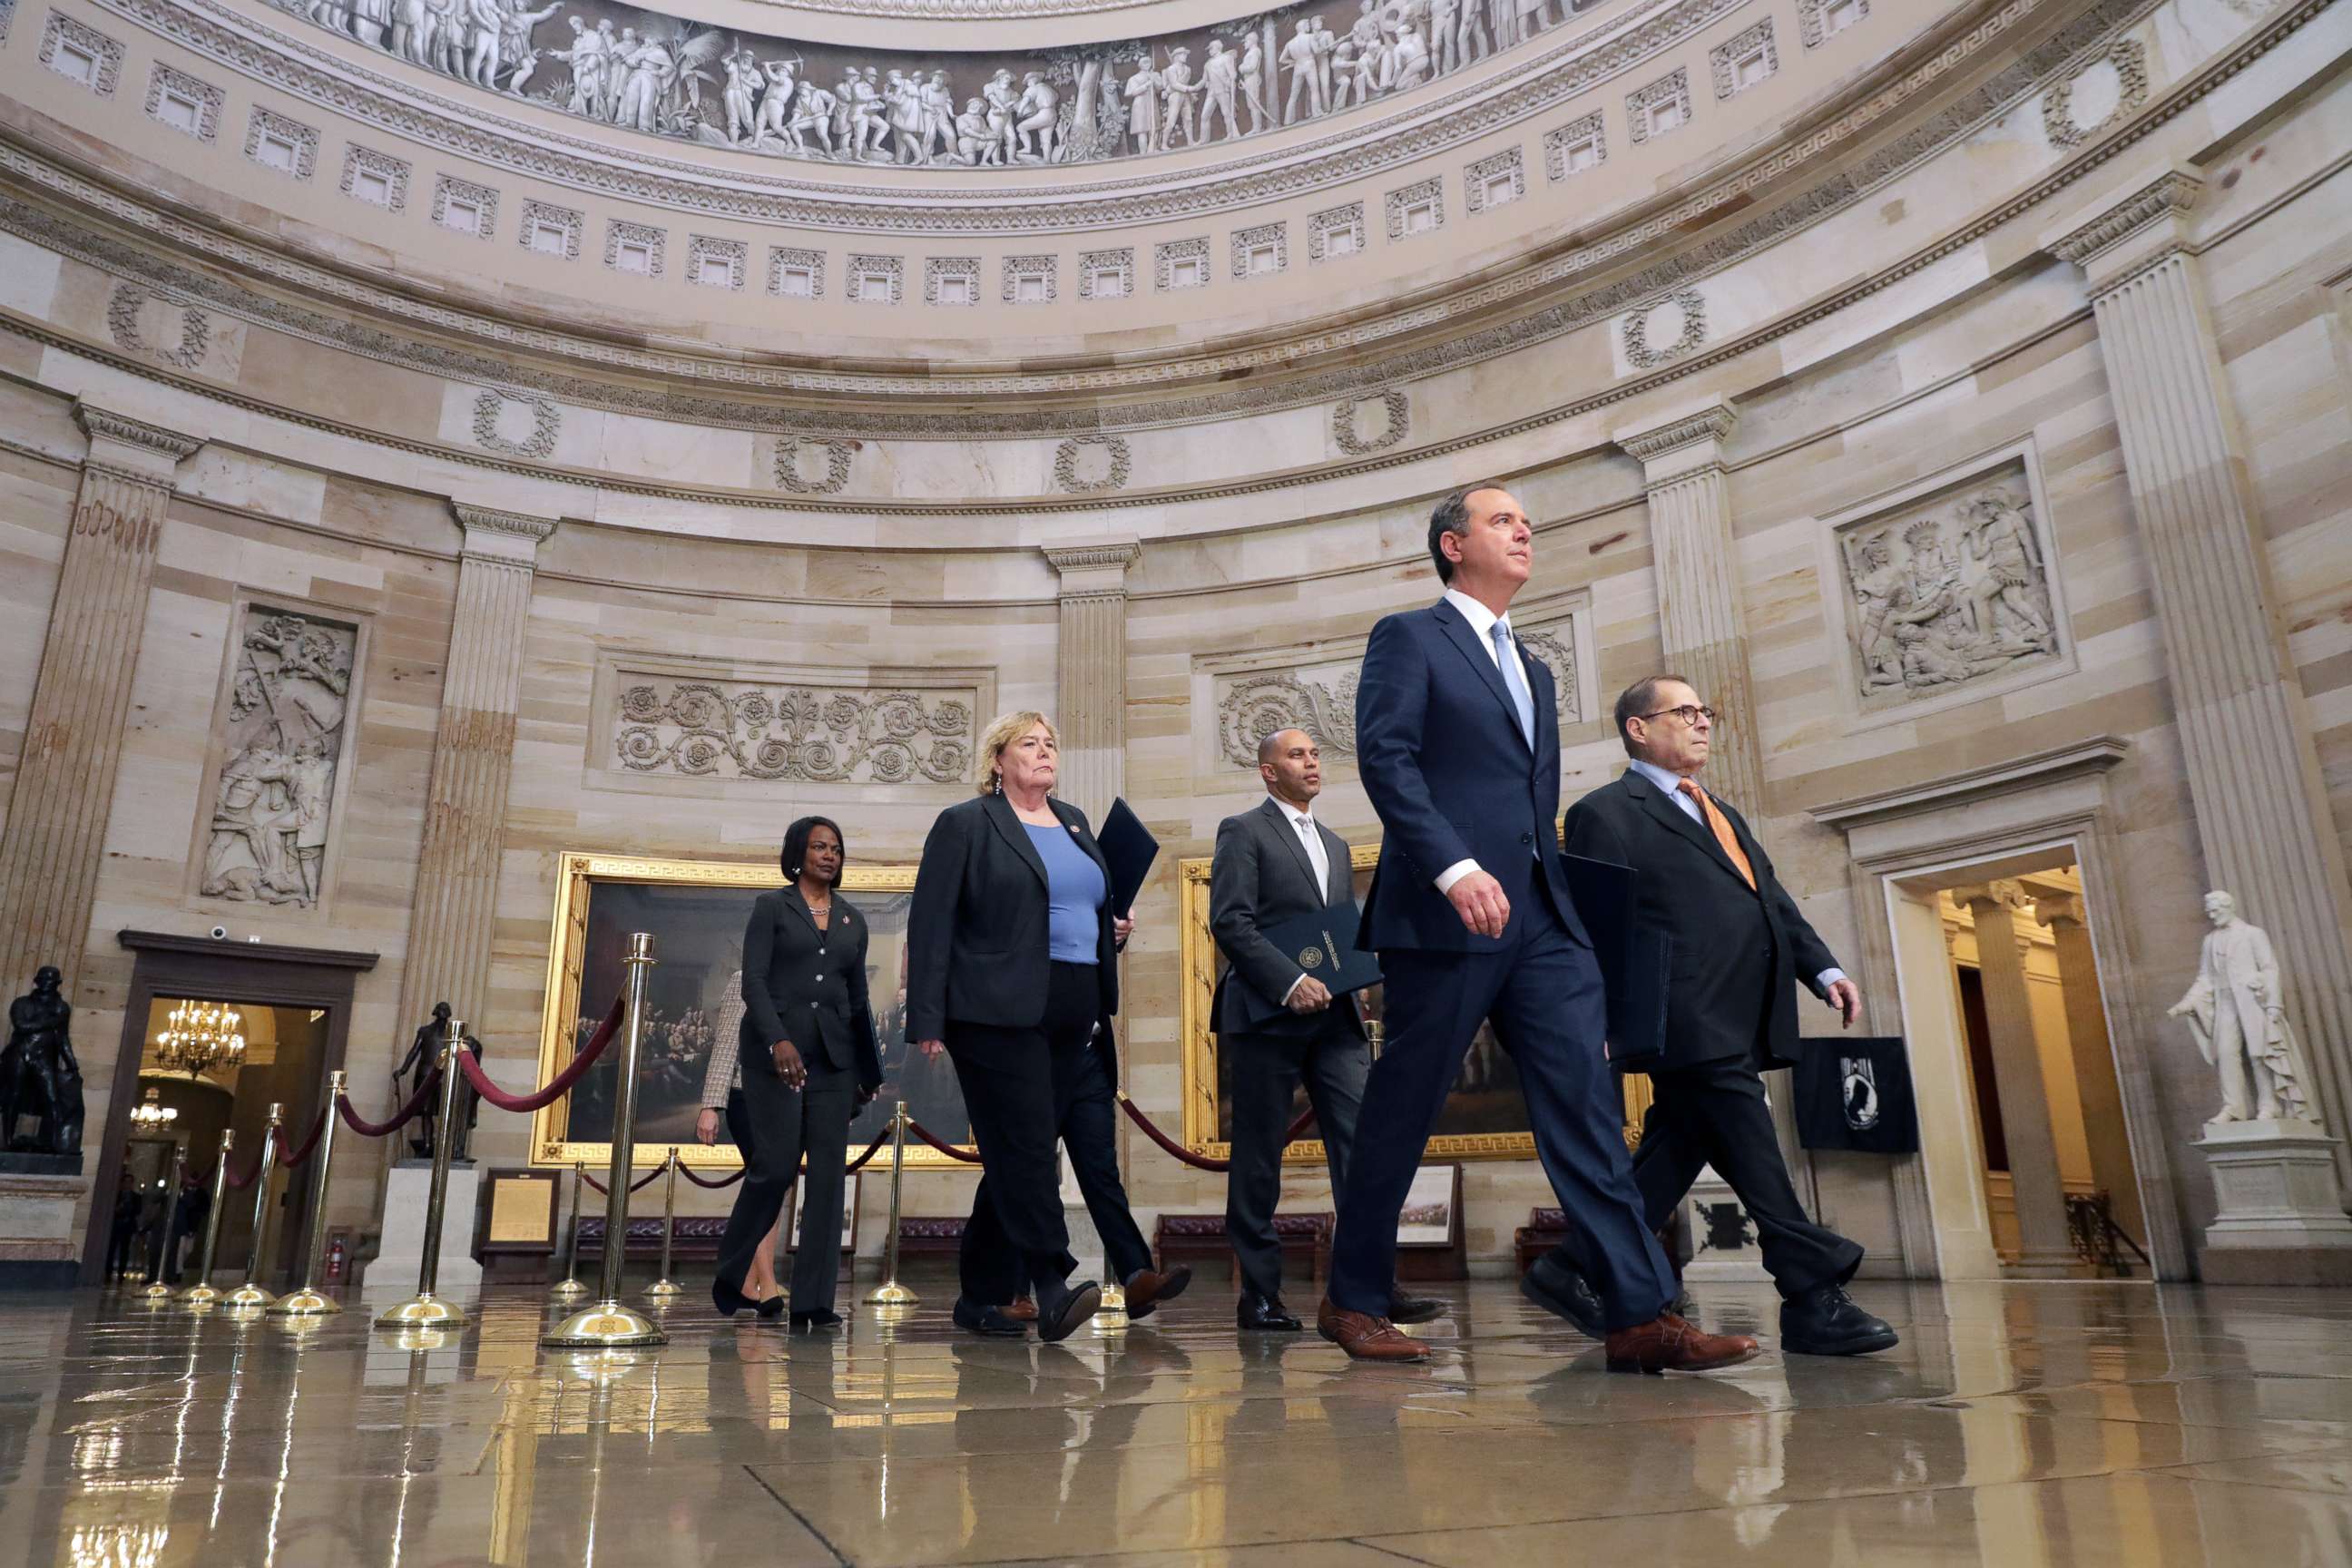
(639, 1185)
(555, 1088)
(728, 1180)
(252, 1171)
(409, 1113)
(736, 1175)
(949, 1150)
(871, 1150)
(303, 1152)
(1201, 1161)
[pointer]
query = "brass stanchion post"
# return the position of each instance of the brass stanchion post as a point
(890, 1294)
(155, 1293)
(201, 1292)
(250, 1296)
(569, 1288)
(425, 1310)
(310, 1301)
(663, 1289)
(608, 1324)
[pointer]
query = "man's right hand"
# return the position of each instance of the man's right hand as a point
(1309, 995)
(706, 1125)
(931, 1048)
(1478, 899)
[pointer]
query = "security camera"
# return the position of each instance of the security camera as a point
(220, 934)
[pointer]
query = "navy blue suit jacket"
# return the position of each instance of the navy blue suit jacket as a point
(1440, 752)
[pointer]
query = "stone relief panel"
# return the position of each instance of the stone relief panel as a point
(465, 207)
(1261, 250)
(717, 263)
(664, 76)
(1571, 149)
(809, 467)
(1089, 465)
(1665, 330)
(1337, 231)
(1948, 591)
(1032, 280)
(795, 273)
(2080, 107)
(1106, 274)
(1663, 106)
(1349, 422)
(179, 336)
(377, 178)
(82, 54)
(673, 719)
(189, 106)
(1747, 58)
(274, 142)
(516, 424)
(636, 248)
(951, 281)
(283, 743)
(1417, 208)
(1818, 21)
(1494, 180)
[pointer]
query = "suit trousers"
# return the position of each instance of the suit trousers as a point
(1266, 1073)
(1716, 1115)
(1542, 992)
(784, 1124)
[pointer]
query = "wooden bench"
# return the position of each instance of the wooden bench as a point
(1201, 1238)
(695, 1239)
(1545, 1229)
(929, 1235)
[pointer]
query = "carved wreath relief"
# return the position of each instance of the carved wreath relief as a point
(290, 692)
(748, 729)
(1949, 593)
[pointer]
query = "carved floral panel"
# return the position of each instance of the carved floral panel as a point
(666, 723)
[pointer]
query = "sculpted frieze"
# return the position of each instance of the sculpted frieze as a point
(274, 795)
(665, 723)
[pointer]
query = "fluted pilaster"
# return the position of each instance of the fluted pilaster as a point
(2095, 1084)
(2253, 772)
(1090, 694)
(56, 836)
(1701, 628)
(2039, 1189)
(451, 920)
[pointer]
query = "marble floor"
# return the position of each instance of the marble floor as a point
(2017, 1426)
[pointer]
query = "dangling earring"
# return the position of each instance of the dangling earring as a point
(997, 784)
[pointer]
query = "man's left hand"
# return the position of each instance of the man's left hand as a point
(1847, 999)
(1120, 930)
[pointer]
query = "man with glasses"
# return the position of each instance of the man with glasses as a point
(1738, 944)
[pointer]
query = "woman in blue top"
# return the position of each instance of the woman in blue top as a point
(1012, 969)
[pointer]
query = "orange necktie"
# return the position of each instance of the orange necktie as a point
(1723, 834)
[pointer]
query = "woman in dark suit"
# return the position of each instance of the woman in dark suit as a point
(1012, 969)
(809, 1060)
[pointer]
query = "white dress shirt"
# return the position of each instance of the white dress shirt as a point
(1670, 783)
(1310, 838)
(1482, 626)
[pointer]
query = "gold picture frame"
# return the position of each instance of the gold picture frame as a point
(1199, 1075)
(578, 877)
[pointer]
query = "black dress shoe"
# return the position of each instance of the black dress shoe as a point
(1265, 1314)
(1061, 1317)
(1405, 1308)
(729, 1300)
(1565, 1293)
(823, 1318)
(1825, 1322)
(981, 1318)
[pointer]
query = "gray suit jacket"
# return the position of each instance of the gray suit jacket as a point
(1260, 878)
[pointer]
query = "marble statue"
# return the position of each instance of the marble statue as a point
(38, 1074)
(409, 1079)
(1255, 96)
(2238, 1013)
(1945, 598)
(274, 799)
(1181, 113)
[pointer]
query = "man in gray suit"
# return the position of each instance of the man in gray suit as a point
(1274, 863)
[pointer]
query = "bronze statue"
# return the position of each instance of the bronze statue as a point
(37, 1070)
(408, 1079)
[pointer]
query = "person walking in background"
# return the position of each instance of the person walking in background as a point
(722, 1094)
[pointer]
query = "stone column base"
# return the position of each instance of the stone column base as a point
(2281, 1219)
(38, 1248)
(393, 1272)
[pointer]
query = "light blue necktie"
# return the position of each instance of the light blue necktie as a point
(1516, 682)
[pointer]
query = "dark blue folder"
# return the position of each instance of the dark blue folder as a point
(1324, 946)
(1128, 849)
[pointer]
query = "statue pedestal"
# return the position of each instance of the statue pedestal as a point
(40, 1249)
(2281, 1219)
(393, 1275)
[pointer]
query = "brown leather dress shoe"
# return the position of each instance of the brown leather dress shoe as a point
(1022, 1310)
(1146, 1288)
(1365, 1337)
(1668, 1343)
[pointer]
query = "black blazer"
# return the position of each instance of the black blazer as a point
(1737, 954)
(807, 987)
(1262, 876)
(978, 946)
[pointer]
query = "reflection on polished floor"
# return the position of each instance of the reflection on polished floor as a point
(2017, 1426)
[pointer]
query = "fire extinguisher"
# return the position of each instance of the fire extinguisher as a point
(335, 1258)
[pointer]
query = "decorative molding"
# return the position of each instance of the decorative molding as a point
(1397, 422)
(206, 100)
(937, 269)
(654, 241)
(1486, 170)
(1091, 262)
(1973, 786)
(447, 188)
(537, 215)
(1429, 192)
(1167, 254)
(784, 258)
(1725, 58)
(1323, 226)
(106, 72)
(1245, 240)
(1813, 20)
(1065, 464)
(800, 724)
(1712, 424)
(1642, 354)
(122, 308)
(1066, 558)
(149, 452)
(507, 538)
(2128, 60)
(795, 478)
(1048, 267)
(1558, 141)
(304, 139)
(702, 248)
(861, 267)
(1673, 87)
(2174, 192)
(359, 160)
(490, 415)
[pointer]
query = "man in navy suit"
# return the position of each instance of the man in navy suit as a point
(1457, 742)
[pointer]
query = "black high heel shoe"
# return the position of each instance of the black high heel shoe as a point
(772, 1309)
(729, 1300)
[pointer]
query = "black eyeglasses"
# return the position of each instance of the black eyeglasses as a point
(1686, 713)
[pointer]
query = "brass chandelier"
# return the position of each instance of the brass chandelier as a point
(151, 1115)
(201, 1037)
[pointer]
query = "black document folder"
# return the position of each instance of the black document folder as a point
(1635, 966)
(1128, 849)
(1324, 946)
